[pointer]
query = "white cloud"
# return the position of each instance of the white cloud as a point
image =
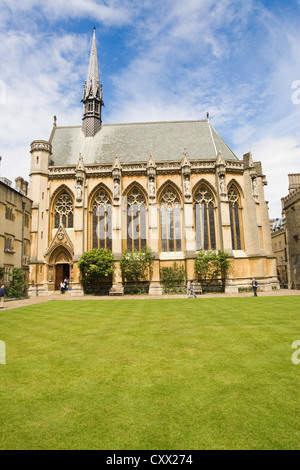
(235, 59)
(110, 12)
(279, 157)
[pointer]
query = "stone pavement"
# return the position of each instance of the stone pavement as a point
(10, 304)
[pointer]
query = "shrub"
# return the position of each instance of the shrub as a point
(211, 268)
(95, 266)
(173, 279)
(136, 265)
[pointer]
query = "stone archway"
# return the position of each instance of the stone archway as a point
(61, 266)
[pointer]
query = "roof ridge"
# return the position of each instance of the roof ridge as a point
(136, 123)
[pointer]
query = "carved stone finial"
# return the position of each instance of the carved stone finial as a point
(116, 162)
(220, 160)
(151, 162)
(80, 164)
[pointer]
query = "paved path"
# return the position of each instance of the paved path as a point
(58, 296)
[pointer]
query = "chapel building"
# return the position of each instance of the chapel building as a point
(175, 187)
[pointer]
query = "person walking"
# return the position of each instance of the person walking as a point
(62, 287)
(254, 287)
(2, 292)
(191, 291)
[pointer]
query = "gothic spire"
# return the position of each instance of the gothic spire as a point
(92, 95)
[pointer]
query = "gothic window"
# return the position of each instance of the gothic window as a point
(102, 226)
(204, 219)
(235, 212)
(170, 221)
(136, 220)
(9, 213)
(63, 211)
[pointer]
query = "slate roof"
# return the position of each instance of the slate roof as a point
(166, 141)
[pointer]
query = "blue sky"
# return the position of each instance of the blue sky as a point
(159, 60)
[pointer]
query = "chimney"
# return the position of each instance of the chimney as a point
(19, 181)
(294, 181)
(25, 187)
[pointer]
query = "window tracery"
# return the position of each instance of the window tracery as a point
(136, 220)
(102, 223)
(204, 219)
(235, 219)
(63, 211)
(170, 221)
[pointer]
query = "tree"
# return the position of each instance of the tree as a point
(18, 286)
(95, 265)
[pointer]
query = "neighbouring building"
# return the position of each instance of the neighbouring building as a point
(291, 213)
(15, 222)
(278, 234)
(173, 186)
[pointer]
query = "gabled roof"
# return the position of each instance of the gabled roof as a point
(166, 141)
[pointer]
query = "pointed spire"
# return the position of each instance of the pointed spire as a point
(92, 95)
(92, 87)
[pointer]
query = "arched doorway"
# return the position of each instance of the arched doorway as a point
(62, 262)
(62, 272)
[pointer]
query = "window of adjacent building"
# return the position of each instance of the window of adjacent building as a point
(63, 211)
(204, 219)
(26, 220)
(235, 212)
(7, 274)
(170, 221)
(102, 221)
(8, 245)
(136, 220)
(9, 214)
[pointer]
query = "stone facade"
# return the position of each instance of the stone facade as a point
(15, 222)
(278, 234)
(175, 187)
(291, 212)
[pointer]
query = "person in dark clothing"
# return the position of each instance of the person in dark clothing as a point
(2, 292)
(254, 287)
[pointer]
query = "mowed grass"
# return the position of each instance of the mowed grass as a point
(151, 374)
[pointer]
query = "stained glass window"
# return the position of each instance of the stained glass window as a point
(63, 211)
(136, 220)
(170, 221)
(235, 219)
(204, 219)
(102, 224)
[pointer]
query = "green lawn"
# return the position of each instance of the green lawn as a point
(151, 374)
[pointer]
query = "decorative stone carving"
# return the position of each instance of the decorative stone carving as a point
(222, 186)
(151, 188)
(151, 167)
(187, 187)
(116, 189)
(78, 191)
(116, 173)
(185, 164)
(254, 188)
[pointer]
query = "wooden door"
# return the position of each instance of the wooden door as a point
(59, 275)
